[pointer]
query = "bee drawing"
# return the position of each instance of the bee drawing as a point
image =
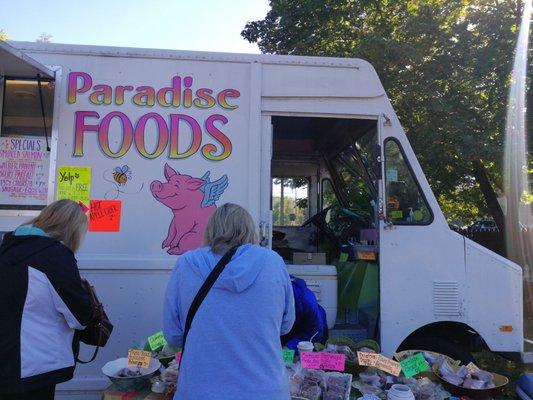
(121, 175)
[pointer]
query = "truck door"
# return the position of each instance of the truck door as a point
(422, 266)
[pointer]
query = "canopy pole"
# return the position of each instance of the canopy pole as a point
(42, 111)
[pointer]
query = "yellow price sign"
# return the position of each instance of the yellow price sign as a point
(139, 358)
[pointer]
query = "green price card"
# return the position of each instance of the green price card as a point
(156, 341)
(288, 356)
(414, 365)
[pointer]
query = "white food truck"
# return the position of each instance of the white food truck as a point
(153, 140)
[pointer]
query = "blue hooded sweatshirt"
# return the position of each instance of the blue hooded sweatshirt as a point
(233, 349)
(310, 319)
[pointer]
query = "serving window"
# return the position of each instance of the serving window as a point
(26, 122)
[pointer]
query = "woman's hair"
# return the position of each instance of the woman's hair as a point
(230, 226)
(63, 220)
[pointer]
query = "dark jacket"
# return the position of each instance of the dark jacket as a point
(310, 317)
(42, 302)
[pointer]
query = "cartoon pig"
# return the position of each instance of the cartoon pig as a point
(192, 201)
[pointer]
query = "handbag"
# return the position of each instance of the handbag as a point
(202, 293)
(99, 330)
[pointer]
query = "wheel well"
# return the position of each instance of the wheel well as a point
(456, 332)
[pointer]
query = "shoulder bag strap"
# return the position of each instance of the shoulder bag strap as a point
(202, 293)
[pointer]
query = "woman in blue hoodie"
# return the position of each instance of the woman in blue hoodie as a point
(233, 348)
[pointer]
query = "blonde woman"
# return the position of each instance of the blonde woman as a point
(233, 348)
(42, 302)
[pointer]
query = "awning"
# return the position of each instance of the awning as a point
(14, 63)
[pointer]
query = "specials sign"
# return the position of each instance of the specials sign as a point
(209, 137)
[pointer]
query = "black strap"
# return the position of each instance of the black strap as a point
(42, 111)
(202, 293)
(92, 358)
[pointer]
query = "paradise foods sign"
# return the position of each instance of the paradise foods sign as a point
(180, 94)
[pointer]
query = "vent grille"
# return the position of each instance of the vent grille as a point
(446, 299)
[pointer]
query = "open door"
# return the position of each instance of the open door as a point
(323, 211)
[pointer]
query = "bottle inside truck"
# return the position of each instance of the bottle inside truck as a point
(324, 199)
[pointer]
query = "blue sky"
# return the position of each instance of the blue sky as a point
(208, 25)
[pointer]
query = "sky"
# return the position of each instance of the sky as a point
(205, 25)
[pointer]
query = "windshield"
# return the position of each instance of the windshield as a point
(355, 177)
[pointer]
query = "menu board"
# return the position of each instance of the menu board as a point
(24, 169)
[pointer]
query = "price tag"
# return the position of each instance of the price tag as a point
(367, 359)
(157, 341)
(329, 361)
(389, 366)
(333, 362)
(414, 365)
(311, 360)
(288, 356)
(366, 255)
(139, 358)
(472, 368)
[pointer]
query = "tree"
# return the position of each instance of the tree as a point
(3, 35)
(445, 65)
(44, 38)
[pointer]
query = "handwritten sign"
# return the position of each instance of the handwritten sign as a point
(24, 164)
(74, 183)
(389, 366)
(366, 255)
(178, 357)
(288, 356)
(367, 359)
(414, 365)
(396, 214)
(472, 368)
(139, 358)
(333, 362)
(104, 215)
(329, 361)
(311, 360)
(156, 341)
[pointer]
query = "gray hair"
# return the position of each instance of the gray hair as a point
(230, 226)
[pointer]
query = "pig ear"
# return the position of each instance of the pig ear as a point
(195, 183)
(169, 171)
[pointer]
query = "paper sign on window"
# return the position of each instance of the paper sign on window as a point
(24, 164)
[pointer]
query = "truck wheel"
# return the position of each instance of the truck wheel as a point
(457, 351)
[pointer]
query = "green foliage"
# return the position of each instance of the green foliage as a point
(444, 63)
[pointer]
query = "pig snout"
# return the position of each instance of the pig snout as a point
(156, 187)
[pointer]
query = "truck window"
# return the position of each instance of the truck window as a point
(327, 194)
(405, 202)
(24, 159)
(21, 111)
(290, 201)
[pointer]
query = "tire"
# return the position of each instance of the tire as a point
(440, 345)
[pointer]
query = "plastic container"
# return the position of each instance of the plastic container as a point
(400, 392)
(305, 346)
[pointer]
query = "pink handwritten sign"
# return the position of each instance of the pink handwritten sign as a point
(178, 357)
(311, 360)
(328, 361)
(23, 170)
(333, 362)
